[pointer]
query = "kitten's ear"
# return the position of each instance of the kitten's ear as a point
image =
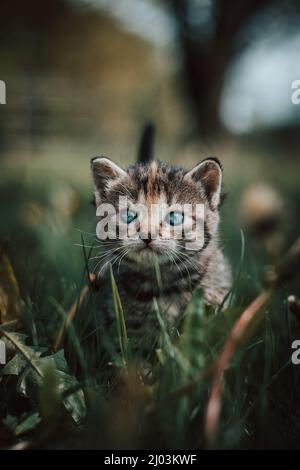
(105, 172)
(208, 174)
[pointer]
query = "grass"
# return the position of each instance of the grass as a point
(89, 387)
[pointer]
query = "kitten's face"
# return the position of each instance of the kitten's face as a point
(163, 210)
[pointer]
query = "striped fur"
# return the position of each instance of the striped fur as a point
(181, 270)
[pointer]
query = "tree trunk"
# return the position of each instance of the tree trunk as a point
(204, 76)
(206, 59)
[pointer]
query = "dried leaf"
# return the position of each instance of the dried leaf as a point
(10, 301)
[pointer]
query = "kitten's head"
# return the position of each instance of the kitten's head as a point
(155, 204)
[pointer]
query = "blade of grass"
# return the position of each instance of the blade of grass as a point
(121, 325)
(73, 310)
(170, 349)
(158, 276)
(68, 318)
(232, 292)
(73, 336)
(86, 257)
(9, 324)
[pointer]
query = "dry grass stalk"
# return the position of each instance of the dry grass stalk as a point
(71, 313)
(284, 272)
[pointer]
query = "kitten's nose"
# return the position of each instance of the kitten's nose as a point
(147, 239)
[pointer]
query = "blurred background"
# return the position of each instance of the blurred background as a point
(83, 76)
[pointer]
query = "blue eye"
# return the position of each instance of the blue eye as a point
(174, 218)
(128, 216)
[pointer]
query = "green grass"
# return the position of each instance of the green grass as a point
(95, 391)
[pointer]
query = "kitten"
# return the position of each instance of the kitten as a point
(181, 270)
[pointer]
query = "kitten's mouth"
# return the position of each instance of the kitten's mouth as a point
(145, 253)
(147, 250)
(148, 247)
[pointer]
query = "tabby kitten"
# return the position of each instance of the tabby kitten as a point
(135, 260)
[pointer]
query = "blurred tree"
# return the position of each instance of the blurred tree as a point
(211, 34)
(71, 71)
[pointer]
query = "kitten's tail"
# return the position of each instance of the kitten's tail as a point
(145, 150)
